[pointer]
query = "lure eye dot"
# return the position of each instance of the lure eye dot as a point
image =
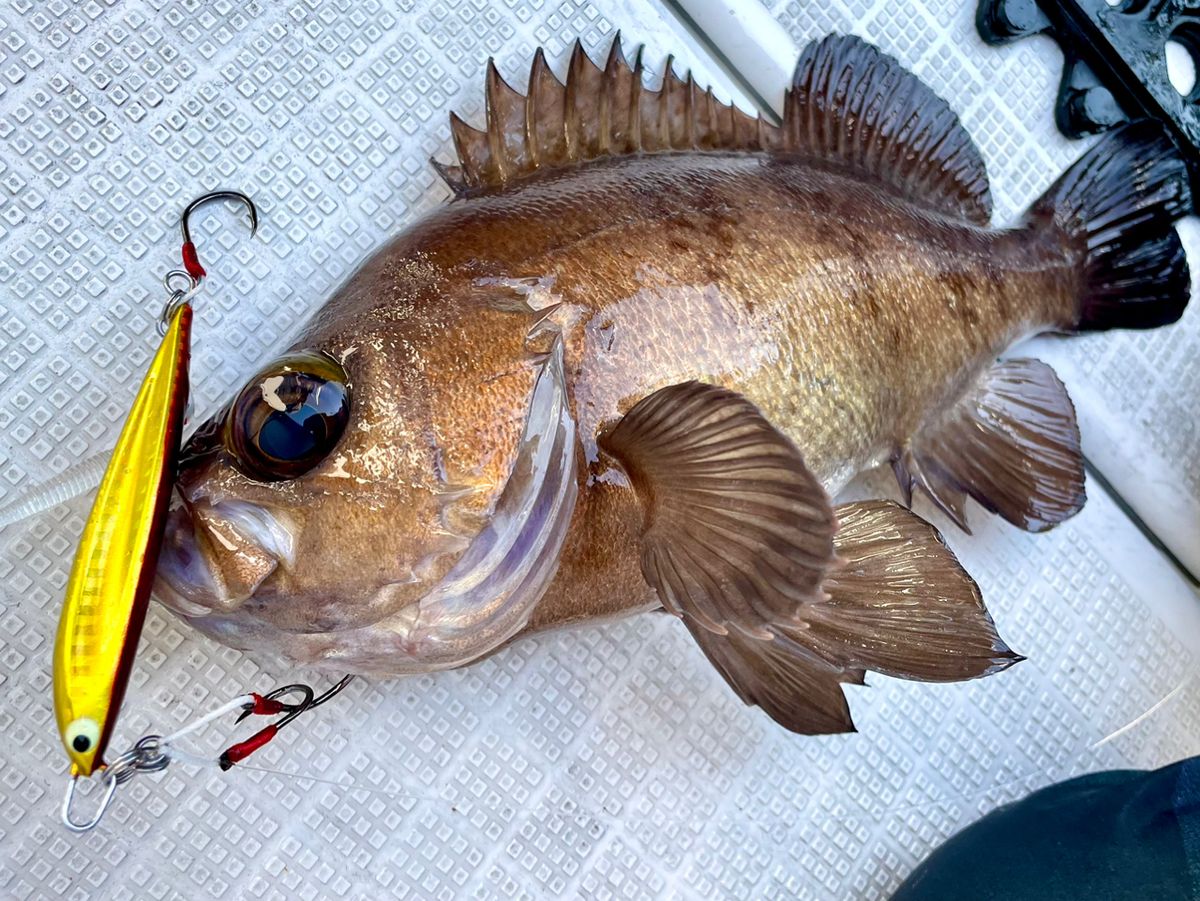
(83, 734)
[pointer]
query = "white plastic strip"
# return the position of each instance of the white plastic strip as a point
(748, 36)
(79, 479)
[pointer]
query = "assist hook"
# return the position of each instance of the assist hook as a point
(191, 262)
(153, 753)
(268, 704)
(181, 284)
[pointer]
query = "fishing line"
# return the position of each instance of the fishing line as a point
(1146, 715)
(187, 758)
(1061, 766)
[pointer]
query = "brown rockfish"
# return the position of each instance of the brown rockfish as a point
(628, 365)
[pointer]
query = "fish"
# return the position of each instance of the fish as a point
(630, 363)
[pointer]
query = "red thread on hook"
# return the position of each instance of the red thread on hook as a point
(266, 706)
(191, 261)
(244, 749)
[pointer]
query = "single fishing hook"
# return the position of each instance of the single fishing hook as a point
(336, 689)
(182, 284)
(191, 261)
(308, 699)
(270, 702)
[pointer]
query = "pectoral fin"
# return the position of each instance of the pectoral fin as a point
(739, 533)
(739, 542)
(1011, 442)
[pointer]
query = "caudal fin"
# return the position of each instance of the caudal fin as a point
(1117, 206)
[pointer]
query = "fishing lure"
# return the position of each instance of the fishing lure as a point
(112, 575)
(109, 587)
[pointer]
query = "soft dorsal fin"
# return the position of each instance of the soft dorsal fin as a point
(597, 113)
(851, 103)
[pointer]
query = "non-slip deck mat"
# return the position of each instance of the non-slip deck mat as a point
(605, 762)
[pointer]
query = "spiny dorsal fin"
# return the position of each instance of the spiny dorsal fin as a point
(597, 113)
(850, 102)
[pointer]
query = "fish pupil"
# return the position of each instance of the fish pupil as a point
(292, 435)
(81, 743)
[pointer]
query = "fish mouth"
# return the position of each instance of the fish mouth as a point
(215, 556)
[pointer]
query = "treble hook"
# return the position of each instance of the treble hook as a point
(191, 262)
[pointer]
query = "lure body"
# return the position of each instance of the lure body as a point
(113, 572)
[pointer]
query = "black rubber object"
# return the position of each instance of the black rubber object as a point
(1114, 61)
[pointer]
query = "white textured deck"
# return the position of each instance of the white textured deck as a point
(608, 762)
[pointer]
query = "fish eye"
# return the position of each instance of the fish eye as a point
(82, 734)
(288, 417)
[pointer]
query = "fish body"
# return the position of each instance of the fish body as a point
(844, 311)
(583, 390)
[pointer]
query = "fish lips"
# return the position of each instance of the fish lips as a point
(215, 556)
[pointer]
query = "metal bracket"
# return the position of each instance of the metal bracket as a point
(1114, 60)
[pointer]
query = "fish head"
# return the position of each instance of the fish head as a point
(345, 479)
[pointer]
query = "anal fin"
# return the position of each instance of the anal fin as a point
(791, 684)
(901, 604)
(1011, 442)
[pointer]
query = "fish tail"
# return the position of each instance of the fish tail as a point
(1117, 206)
